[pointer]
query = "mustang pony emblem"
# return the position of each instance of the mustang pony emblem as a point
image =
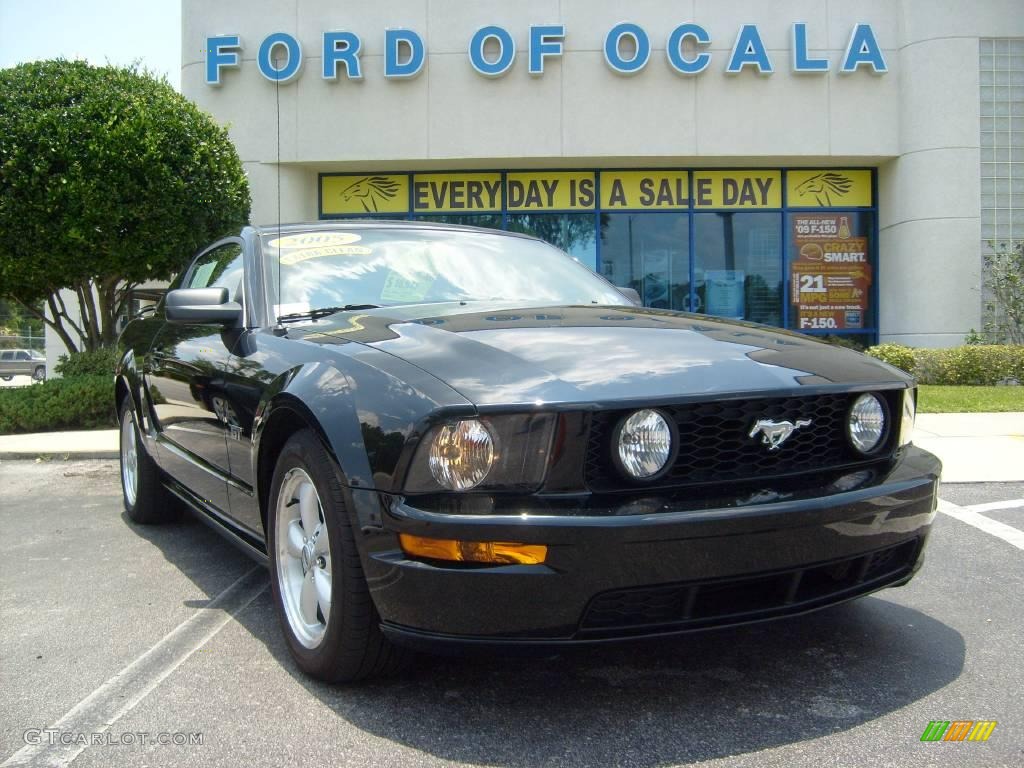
(824, 186)
(775, 433)
(370, 191)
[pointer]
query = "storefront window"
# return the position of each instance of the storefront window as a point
(488, 220)
(738, 265)
(572, 232)
(650, 253)
(789, 248)
(830, 271)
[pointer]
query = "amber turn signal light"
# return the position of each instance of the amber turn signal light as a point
(498, 552)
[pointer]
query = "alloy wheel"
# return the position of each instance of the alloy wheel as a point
(303, 555)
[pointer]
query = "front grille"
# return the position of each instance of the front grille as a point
(670, 606)
(715, 444)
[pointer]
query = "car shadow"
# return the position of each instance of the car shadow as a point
(707, 695)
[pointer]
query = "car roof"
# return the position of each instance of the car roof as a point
(383, 224)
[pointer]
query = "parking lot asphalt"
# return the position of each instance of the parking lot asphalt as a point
(106, 623)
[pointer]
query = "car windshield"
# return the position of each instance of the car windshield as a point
(386, 267)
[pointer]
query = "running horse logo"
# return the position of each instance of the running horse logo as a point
(775, 433)
(370, 191)
(824, 186)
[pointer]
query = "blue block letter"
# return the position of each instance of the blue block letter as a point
(801, 61)
(611, 48)
(506, 51)
(394, 67)
(674, 49)
(863, 49)
(749, 49)
(221, 52)
(544, 42)
(341, 48)
(265, 58)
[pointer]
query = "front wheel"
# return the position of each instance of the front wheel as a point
(145, 499)
(39, 374)
(320, 592)
(6, 378)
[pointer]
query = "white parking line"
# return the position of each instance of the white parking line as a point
(970, 516)
(119, 695)
(994, 505)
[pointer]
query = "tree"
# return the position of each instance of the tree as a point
(1004, 303)
(108, 178)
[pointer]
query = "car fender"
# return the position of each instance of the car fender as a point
(335, 421)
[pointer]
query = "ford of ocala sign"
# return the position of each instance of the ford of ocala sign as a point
(492, 52)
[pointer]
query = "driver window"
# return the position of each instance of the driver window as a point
(220, 268)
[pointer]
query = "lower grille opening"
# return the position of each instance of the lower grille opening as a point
(747, 598)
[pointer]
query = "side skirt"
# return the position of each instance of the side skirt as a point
(240, 537)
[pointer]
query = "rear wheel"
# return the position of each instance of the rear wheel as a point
(145, 499)
(6, 378)
(39, 374)
(320, 592)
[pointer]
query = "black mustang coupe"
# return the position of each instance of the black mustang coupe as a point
(444, 436)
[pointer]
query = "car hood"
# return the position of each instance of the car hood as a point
(499, 354)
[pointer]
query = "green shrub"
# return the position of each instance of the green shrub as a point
(78, 402)
(894, 354)
(99, 362)
(971, 364)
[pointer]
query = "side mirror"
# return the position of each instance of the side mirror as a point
(201, 306)
(630, 294)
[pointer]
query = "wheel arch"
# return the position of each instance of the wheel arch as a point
(283, 416)
(126, 383)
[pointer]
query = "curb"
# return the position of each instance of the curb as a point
(57, 455)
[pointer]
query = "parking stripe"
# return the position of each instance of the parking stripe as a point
(1000, 530)
(992, 506)
(122, 692)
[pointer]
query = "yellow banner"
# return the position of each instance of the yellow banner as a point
(456, 192)
(655, 190)
(828, 188)
(546, 191)
(737, 189)
(364, 193)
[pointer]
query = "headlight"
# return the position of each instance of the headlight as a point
(643, 444)
(909, 415)
(489, 453)
(866, 423)
(461, 455)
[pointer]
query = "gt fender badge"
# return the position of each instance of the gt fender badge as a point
(775, 433)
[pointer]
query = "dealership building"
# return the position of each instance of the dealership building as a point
(831, 167)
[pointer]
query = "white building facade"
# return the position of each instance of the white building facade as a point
(830, 167)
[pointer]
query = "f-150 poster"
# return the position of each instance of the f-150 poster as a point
(830, 273)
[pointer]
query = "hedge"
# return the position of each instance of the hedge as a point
(972, 364)
(100, 362)
(77, 402)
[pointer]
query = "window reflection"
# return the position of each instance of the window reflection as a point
(572, 232)
(650, 253)
(486, 220)
(392, 267)
(738, 265)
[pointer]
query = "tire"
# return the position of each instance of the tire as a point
(145, 499)
(6, 378)
(39, 374)
(311, 571)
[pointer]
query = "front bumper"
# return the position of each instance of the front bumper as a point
(638, 567)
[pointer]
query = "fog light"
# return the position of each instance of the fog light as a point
(866, 424)
(644, 444)
(498, 552)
